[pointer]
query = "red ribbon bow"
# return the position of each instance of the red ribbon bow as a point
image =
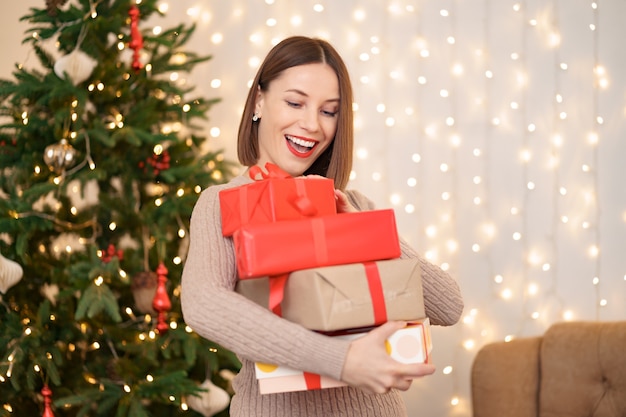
(273, 171)
(302, 202)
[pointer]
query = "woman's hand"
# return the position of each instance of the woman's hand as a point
(368, 365)
(343, 205)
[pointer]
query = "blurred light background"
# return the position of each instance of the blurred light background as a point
(495, 129)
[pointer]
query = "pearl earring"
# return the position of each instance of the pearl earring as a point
(255, 117)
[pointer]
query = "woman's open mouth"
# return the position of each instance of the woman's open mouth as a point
(300, 147)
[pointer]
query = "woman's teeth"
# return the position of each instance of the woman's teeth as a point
(301, 142)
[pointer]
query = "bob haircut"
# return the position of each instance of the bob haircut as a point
(336, 161)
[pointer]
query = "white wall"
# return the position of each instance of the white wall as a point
(469, 131)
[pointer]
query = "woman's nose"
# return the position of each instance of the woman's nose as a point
(310, 120)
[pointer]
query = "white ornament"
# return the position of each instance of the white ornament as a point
(113, 40)
(77, 65)
(10, 273)
(83, 194)
(50, 291)
(211, 402)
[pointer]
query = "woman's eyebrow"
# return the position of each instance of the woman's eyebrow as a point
(302, 93)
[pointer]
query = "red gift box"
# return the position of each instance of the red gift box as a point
(276, 198)
(291, 245)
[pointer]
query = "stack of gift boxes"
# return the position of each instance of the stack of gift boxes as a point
(335, 273)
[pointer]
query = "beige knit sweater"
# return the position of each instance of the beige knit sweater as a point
(213, 310)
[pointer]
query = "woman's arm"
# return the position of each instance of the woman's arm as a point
(212, 308)
(442, 296)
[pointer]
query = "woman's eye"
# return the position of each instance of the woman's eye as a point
(330, 113)
(293, 104)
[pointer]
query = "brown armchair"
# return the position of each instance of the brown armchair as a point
(576, 369)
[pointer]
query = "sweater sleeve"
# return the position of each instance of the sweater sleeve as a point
(442, 296)
(216, 312)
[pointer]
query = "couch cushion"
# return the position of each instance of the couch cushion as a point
(583, 370)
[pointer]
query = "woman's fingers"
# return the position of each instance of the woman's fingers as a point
(343, 205)
(369, 366)
(404, 385)
(418, 370)
(381, 333)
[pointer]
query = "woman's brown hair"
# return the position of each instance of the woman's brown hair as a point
(336, 161)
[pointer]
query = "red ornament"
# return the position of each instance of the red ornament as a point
(111, 252)
(159, 162)
(47, 401)
(136, 40)
(161, 302)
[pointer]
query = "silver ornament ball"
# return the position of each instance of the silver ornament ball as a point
(59, 156)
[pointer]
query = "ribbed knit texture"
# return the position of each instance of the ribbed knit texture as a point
(216, 312)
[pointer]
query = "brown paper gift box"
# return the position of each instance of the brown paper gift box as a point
(338, 297)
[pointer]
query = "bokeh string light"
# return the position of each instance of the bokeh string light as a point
(452, 170)
(415, 180)
(557, 141)
(526, 128)
(600, 81)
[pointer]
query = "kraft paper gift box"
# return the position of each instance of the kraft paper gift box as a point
(346, 296)
(291, 245)
(276, 199)
(413, 344)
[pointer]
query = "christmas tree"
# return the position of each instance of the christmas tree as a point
(100, 166)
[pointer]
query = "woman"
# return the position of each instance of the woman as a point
(298, 115)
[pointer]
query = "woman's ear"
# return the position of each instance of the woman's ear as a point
(258, 102)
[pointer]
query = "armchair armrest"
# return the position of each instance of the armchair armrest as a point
(505, 379)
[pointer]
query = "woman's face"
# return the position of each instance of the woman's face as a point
(298, 117)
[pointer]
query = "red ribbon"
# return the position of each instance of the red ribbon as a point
(243, 204)
(376, 292)
(301, 202)
(277, 293)
(319, 240)
(273, 171)
(312, 381)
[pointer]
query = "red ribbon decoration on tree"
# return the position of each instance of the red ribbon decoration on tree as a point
(161, 301)
(47, 400)
(136, 40)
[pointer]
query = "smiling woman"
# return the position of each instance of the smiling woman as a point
(298, 118)
(327, 70)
